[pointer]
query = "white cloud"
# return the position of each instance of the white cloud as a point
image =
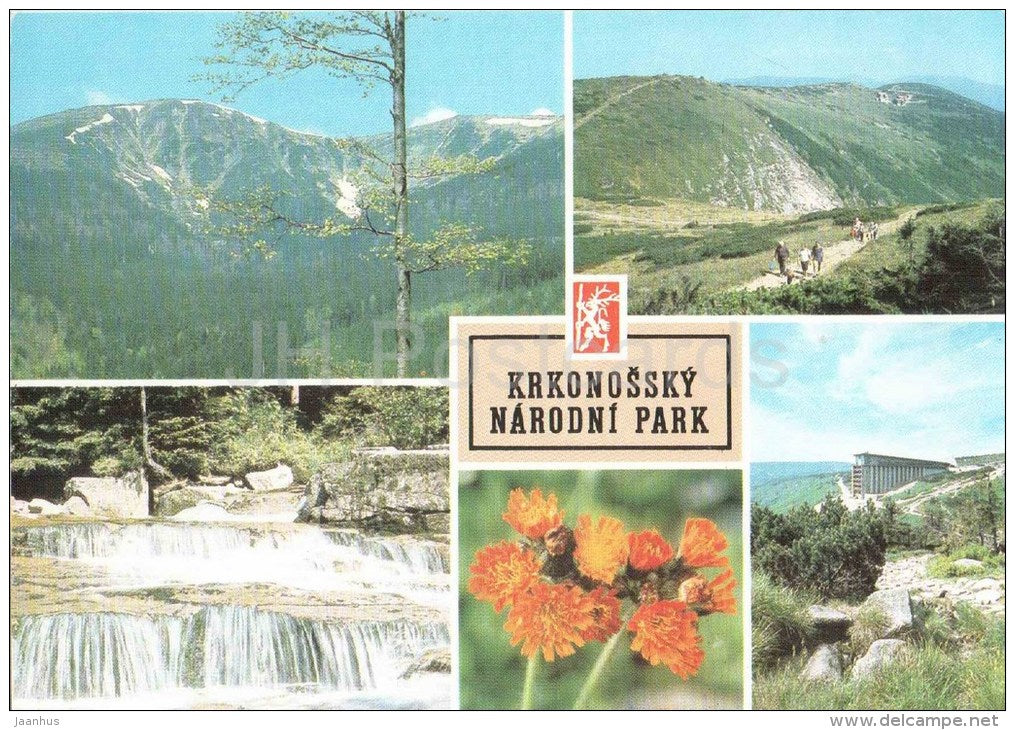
(542, 112)
(437, 114)
(95, 97)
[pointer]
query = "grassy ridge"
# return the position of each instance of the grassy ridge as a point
(682, 137)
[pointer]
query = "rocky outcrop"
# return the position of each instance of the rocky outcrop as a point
(825, 665)
(880, 655)
(382, 489)
(896, 607)
(830, 624)
(125, 496)
(281, 477)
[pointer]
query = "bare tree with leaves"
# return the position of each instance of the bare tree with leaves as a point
(369, 47)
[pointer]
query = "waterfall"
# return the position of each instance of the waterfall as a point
(75, 655)
(423, 557)
(148, 542)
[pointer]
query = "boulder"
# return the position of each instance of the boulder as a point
(880, 655)
(967, 564)
(825, 665)
(178, 500)
(125, 496)
(896, 607)
(19, 507)
(77, 507)
(45, 508)
(203, 512)
(281, 477)
(435, 660)
(830, 624)
(382, 489)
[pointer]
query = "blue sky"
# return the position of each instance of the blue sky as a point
(880, 46)
(828, 389)
(505, 63)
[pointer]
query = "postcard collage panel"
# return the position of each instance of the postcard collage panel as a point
(507, 360)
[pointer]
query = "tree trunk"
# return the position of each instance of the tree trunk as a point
(401, 189)
(153, 466)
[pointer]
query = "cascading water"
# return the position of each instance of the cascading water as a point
(70, 656)
(204, 642)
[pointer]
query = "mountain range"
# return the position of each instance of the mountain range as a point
(111, 248)
(783, 148)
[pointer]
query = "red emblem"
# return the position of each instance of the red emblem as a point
(596, 316)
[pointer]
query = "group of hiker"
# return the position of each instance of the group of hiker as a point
(812, 258)
(863, 232)
(809, 257)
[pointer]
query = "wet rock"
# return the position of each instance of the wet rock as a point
(176, 501)
(125, 496)
(880, 655)
(77, 507)
(825, 665)
(281, 477)
(436, 660)
(895, 604)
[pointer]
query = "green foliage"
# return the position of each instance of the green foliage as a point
(943, 566)
(929, 677)
(942, 208)
(780, 625)
(960, 270)
(253, 431)
(784, 494)
(868, 626)
(406, 418)
(847, 216)
(973, 516)
(61, 432)
(831, 551)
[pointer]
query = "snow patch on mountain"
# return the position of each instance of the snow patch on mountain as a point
(106, 119)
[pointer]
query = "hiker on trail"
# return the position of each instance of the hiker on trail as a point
(805, 259)
(874, 231)
(857, 228)
(782, 256)
(818, 254)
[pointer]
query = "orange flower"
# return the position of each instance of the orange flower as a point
(665, 632)
(600, 549)
(550, 618)
(501, 571)
(714, 597)
(701, 544)
(605, 609)
(649, 550)
(532, 516)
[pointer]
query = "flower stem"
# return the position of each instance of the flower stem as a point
(530, 674)
(597, 670)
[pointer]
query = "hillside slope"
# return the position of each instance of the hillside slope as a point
(790, 150)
